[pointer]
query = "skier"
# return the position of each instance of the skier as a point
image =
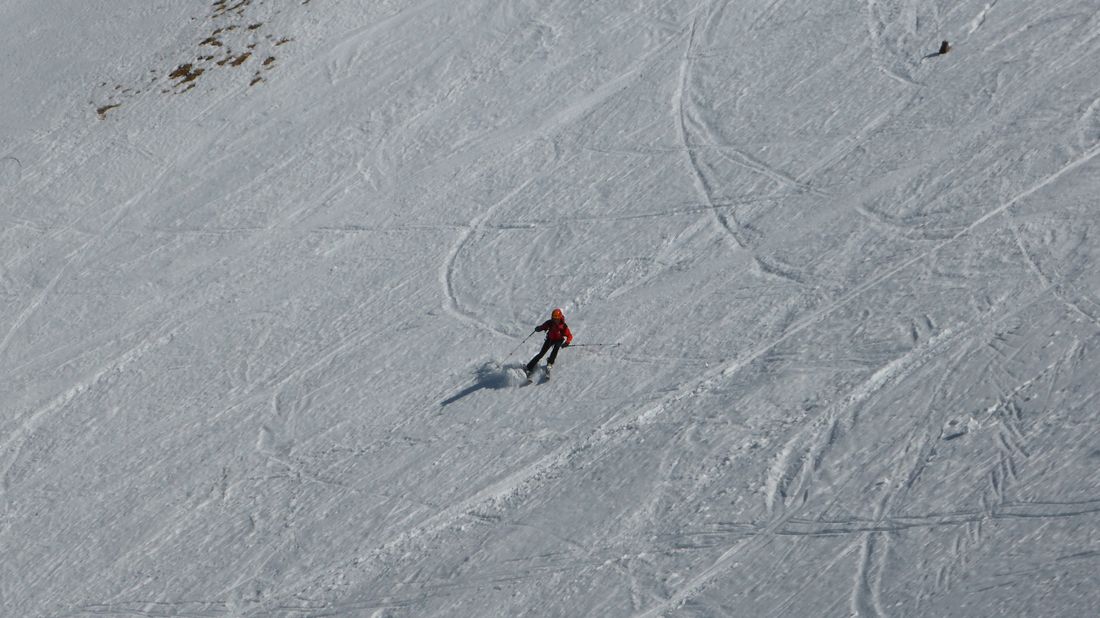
(557, 337)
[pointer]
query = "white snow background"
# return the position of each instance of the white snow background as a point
(262, 264)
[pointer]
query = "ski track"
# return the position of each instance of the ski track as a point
(787, 469)
(507, 486)
(520, 481)
(523, 480)
(980, 18)
(568, 115)
(958, 518)
(1048, 284)
(875, 544)
(880, 52)
(743, 159)
(78, 253)
(289, 393)
(447, 271)
(682, 111)
(702, 186)
(1088, 126)
(704, 383)
(762, 18)
(31, 422)
(349, 48)
(865, 593)
(865, 598)
(853, 141)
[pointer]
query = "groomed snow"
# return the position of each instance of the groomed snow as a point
(266, 271)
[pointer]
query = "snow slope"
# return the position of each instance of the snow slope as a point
(262, 264)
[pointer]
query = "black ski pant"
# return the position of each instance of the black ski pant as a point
(546, 345)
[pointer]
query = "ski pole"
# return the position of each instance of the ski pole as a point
(519, 344)
(592, 345)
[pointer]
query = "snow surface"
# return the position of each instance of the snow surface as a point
(263, 263)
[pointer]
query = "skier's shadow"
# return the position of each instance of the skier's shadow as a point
(491, 375)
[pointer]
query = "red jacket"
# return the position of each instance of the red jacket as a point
(556, 331)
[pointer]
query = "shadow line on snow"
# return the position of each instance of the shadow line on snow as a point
(491, 375)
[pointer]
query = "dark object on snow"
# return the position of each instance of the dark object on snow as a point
(944, 48)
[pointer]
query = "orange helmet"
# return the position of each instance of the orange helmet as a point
(557, 314)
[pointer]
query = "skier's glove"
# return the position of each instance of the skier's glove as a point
(565, 345)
